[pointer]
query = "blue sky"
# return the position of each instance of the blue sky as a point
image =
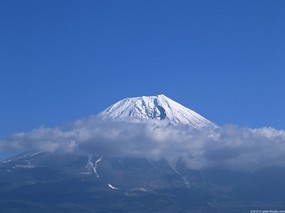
(63, 60)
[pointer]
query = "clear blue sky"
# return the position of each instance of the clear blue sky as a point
(63, 60)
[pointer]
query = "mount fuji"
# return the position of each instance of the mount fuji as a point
(92, 178)
(153, 108)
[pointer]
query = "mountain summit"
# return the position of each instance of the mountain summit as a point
(160, 107)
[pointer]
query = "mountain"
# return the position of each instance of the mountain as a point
(88, 182)
(153, 108)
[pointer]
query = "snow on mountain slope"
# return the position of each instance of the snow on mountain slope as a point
(160, 107)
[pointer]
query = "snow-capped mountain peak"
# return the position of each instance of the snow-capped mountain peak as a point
(160, 107)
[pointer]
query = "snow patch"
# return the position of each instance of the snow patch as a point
(93, 166)
(28, 166)
(112, 187)
(142, 189)
(173, 167)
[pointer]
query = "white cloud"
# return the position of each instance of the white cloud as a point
(227, 147)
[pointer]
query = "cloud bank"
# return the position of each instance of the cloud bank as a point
(227, 147)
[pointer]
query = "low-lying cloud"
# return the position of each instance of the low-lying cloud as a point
(228, 147)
